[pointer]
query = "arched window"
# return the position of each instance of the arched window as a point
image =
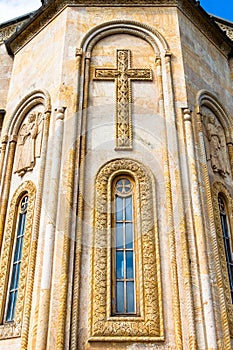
(16, 263)
(227, 241)
(123, 252)
(126, 286)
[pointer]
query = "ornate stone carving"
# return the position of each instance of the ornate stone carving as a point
(215, 142)
(36, 23)
(7, 31)
(226, 28)
(222, 273)
(29, 143)
(123, 75)
(149, 325)
(14, 329)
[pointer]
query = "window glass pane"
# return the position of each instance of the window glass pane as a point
(228, 249)
(129, 264)
(18, 249)
(227, 241)
(15, 272)
(119, 264)
(224, 226)
(10, 307)
(119, 235)
(14, 277)
(230, 271)
(128, 208)
(21, 226)
(119, 208)
(129, 235)
(130, 297)
(120, 297)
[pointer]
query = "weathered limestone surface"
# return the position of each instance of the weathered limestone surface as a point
(58, 65)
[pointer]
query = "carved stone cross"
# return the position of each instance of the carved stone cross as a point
(122, 76)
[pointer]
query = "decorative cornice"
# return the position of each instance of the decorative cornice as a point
(191, 8)
(227, 29)
(10, 27)
(206, 25)
(6, 32)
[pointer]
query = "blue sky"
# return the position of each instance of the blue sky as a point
(220, 8)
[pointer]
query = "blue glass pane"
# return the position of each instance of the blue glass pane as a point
(119, 264)
(119, 208)
(21, 224)
(119, 186)
(129, 235)
(9, 307)
(13, 277)
(128, 208)
(129, 265)
(21, 247)
(120, 297)
(14, 303)
(24, 203)
(17, 275)
(119, 235)
(130, 297)
(18, 249)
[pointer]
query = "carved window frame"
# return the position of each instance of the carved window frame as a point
(148, 326)
(219, 189)
(13, 329)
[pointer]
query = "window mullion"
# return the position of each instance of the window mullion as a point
(124, 254)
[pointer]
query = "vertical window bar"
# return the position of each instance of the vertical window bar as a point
(227, 242)
(15, 269)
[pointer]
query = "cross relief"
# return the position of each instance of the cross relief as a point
(123, 75)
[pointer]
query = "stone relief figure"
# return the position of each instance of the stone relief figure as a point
(29, 143)
(216, 147)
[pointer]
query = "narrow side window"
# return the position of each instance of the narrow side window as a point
(16, 261)
(124, 301)
(227, 241)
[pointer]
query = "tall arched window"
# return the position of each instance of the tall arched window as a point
(227, 241)
(16, 263)
(123, 252)
(126, 287)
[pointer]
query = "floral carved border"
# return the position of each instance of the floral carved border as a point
(219, 188)
(149, 325)
(11, 330)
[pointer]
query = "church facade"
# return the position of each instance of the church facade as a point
(116, 177)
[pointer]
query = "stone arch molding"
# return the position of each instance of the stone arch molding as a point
(152, 36)
(208, 99)
(31, 100)
(221, 160)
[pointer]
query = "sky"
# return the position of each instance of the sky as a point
(10, 9)
(223, 9)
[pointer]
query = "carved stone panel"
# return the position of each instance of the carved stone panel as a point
(29, 142)
(215, 144)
